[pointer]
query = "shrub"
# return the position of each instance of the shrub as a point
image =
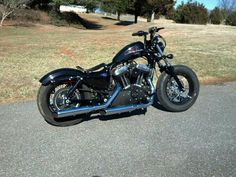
(65, 19)
(29, 17)
(26, 15)
(231, 19)
(216, 16)
(191, 13)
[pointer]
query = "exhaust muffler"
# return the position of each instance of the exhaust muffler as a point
(88, 109)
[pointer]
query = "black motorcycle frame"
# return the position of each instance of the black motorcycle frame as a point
(100, 77)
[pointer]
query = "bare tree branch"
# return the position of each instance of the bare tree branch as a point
(7, 7)
(227, 6)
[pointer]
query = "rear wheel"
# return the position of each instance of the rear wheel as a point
(170, 95)
(51, 98)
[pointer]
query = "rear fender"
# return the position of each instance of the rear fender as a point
(61, 75)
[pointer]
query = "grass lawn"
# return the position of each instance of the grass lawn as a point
(27, 53)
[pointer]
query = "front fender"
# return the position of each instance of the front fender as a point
(60, 75)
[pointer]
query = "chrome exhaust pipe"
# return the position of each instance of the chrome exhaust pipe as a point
(88, 109)
(129, 108)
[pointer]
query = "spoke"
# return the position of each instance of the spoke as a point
(174, 93)
(173, 98)
(57, 99)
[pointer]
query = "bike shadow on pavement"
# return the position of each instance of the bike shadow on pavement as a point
(158, 106)
(123, 115)
(115, 116)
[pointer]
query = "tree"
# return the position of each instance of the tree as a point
(227, 6)
(191, 13)
(216, 16)
(90, 5)
(39, 4)
(158, 6)
(108, 6)
(7, 7)
(115, 6)
(137, 8)
(231, 19)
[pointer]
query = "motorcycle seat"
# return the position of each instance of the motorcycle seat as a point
(93, 69)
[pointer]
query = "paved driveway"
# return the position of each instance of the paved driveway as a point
(199, 142)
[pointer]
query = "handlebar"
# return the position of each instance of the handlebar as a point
(155, 29)
(151, 31)
(140, 33)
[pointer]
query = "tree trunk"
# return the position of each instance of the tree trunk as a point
(136, 18)
(56, 8)
(4, 16)
(1, 23)
(151, 16)
(118, 16)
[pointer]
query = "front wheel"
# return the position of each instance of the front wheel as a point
(170, 96)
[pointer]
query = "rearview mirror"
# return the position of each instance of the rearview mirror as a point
(170, 56)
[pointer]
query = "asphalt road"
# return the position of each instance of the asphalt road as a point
(199, 142)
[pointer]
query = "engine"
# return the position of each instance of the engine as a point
(133, 79)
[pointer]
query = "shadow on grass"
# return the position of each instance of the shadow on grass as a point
(119, 23)
(124, 23)
(109, 18)
(90, 24)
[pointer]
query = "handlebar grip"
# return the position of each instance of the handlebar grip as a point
(158, 29)
(139, 33)
(155, 29)
(134, 34)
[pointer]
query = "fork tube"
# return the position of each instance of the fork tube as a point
(173, 74)
(145, 41)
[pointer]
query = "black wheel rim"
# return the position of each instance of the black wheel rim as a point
(174, 93)
(57, 98)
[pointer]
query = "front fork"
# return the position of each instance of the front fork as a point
(168, 68)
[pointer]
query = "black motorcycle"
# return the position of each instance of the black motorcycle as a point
(120, 86)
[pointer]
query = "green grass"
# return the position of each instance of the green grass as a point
(26, 54)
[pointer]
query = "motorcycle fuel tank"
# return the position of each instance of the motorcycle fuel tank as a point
(129, 52)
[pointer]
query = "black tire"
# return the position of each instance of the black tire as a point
(163, 97)
(43, 106)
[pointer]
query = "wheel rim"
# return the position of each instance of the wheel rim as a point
(58, 100)
(175, 94)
